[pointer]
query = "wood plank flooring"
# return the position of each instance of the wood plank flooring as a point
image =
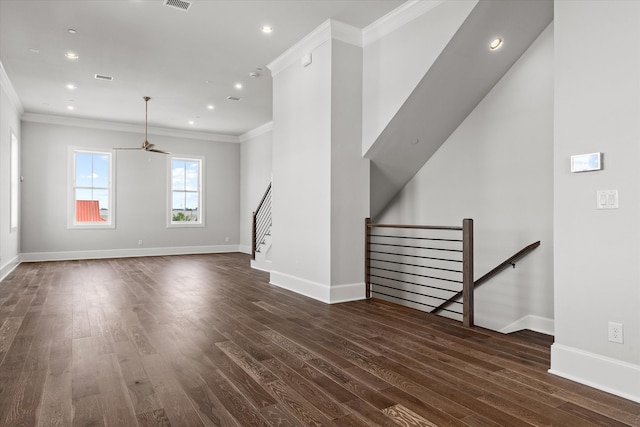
(203, 340)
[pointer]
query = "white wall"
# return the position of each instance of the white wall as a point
(597, 273)
(141, 192)
(349, 170)
(497, 168)
(255, 176)
(320, 180)
(302, 175)
(395, 64)
(9, 122)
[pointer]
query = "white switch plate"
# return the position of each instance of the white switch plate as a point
(607, 199)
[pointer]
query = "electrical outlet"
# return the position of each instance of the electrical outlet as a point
(616, 332)
(140, 241)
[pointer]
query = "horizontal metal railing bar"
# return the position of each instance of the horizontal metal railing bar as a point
(264, 224)
(417, 247)
(416, 274)
(415, 227)
(262, 221)
(405, 290)
(417, 238)
(414, 283)
(416, 265)
(416, 256)
(415, 302)
(260, 236)
(265, 211)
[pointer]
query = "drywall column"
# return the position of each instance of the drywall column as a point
(10, 111)
(320, 180)
(597, 274)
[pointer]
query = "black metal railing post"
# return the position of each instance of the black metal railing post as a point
(367, 257)
(467, 272)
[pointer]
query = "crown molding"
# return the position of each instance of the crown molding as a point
(395, 19)
(6, 85)
(126, 127)
(262, 129)
(329, 29)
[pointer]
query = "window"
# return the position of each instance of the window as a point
(186, 207)
(15, 180)
(91, 201)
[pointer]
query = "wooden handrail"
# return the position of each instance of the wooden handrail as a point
(266, 193)
(509, 261)
(415, 227)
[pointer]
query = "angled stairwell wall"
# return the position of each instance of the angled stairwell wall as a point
(463, 72)
(497, 168)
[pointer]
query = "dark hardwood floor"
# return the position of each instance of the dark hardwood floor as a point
(205, 340)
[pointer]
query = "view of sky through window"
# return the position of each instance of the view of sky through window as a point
(185, 189)
(92, 179)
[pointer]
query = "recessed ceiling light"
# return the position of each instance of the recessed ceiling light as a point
(71, 86)
(238, 86)
(71, 55)
(267, 29)
(210, 107)
(495, 43)
(191, 122)
(71, 31)
(34, 50)
(70, 107)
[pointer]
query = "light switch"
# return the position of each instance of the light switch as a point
(607, 199)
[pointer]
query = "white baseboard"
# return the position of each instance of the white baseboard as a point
(262, 266)
(348, 292)
(319, 291)
(9, 267)
(245, 249)
(534, 323)
(601, 372)
(126, 253)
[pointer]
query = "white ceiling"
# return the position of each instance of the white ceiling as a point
(183, 60)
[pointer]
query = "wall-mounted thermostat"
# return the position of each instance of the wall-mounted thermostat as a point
(586, 162)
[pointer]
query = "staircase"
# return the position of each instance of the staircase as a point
(261, 234)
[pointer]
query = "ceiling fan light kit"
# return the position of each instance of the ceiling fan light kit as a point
(146, 145)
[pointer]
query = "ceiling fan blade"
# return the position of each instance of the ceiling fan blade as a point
(146, 145)
(153, 150)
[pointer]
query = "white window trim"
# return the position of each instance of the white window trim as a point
(185, 224)
(14, 182)
(71, 209)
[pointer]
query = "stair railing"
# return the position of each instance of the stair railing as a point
(261, 226)
(422, 265)
(511, 261)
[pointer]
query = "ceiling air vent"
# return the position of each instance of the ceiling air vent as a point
(178, 4)
(233, 98)
(102, 77)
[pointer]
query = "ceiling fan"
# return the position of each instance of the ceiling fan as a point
(146, 145)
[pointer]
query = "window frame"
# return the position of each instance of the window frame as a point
(14, 182)
(201, 190)
(71, 190)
